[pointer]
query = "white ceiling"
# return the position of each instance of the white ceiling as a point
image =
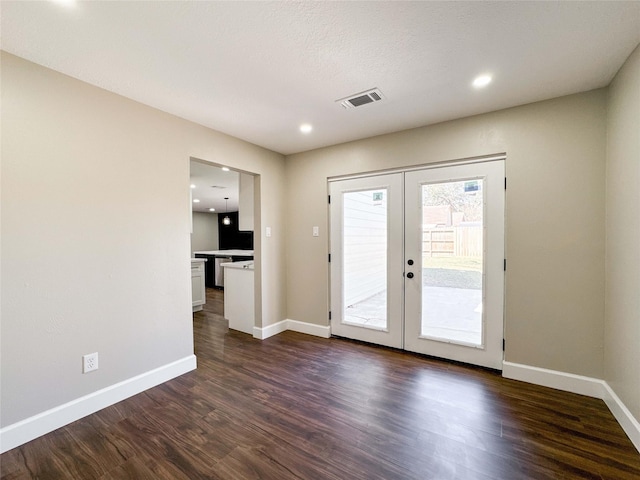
(212, 185)
(257, 70)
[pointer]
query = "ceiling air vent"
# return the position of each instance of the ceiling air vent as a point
(362, 98)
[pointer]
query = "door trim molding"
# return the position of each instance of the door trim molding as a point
(422, 166)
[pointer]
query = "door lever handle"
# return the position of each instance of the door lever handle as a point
(410, 275)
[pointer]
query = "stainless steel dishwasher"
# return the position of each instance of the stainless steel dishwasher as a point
(219, 271)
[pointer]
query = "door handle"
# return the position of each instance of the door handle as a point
(410, 275)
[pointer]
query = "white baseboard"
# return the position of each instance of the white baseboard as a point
(568, 382)
(30, 428)
(294, 326)
(588, 386)
(269, 330)
(624, 417)
(323, 331)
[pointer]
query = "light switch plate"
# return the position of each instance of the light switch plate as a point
(316, 231)
(267, 231)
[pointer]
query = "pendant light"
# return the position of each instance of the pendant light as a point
(226, 220)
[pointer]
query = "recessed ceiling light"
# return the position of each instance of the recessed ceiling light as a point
(305, 128)
(482, 81)
(212, 209)
(193, 186)
(66, 3)
(225, 169)
(195, 200)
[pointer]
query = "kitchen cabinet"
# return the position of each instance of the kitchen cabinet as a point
(213, 272)
(198, 291)
(238, 296)
(209, 269)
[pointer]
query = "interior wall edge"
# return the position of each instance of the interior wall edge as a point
(622, 271)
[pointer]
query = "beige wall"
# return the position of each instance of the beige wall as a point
(622, 320)
(205, 232)
(92, 258)
(554, 220)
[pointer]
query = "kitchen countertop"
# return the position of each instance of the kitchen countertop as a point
(246, 265)
(230, 253)
(196, 260)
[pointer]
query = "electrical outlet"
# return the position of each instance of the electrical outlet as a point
(89, 362)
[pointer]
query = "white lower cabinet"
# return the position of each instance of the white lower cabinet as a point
(238, 296)
(198, 292)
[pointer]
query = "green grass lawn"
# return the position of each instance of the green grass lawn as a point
(473, 264)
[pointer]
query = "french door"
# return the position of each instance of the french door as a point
(417, 260)
(367, 291)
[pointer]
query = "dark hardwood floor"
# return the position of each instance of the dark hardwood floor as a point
(299, 407)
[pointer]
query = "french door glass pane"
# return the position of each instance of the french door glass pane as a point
(452, 263)
(365, 258)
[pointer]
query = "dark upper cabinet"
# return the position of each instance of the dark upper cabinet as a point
(229, 237)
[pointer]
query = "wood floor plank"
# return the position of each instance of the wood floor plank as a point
(300, 407)
(132, 469)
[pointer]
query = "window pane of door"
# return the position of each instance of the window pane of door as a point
(365, 258)
(452, 261)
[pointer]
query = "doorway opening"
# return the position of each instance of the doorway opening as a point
(224, 216)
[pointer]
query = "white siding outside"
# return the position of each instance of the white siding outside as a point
(365, 245)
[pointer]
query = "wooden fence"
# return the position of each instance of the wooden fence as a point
(463, 241)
